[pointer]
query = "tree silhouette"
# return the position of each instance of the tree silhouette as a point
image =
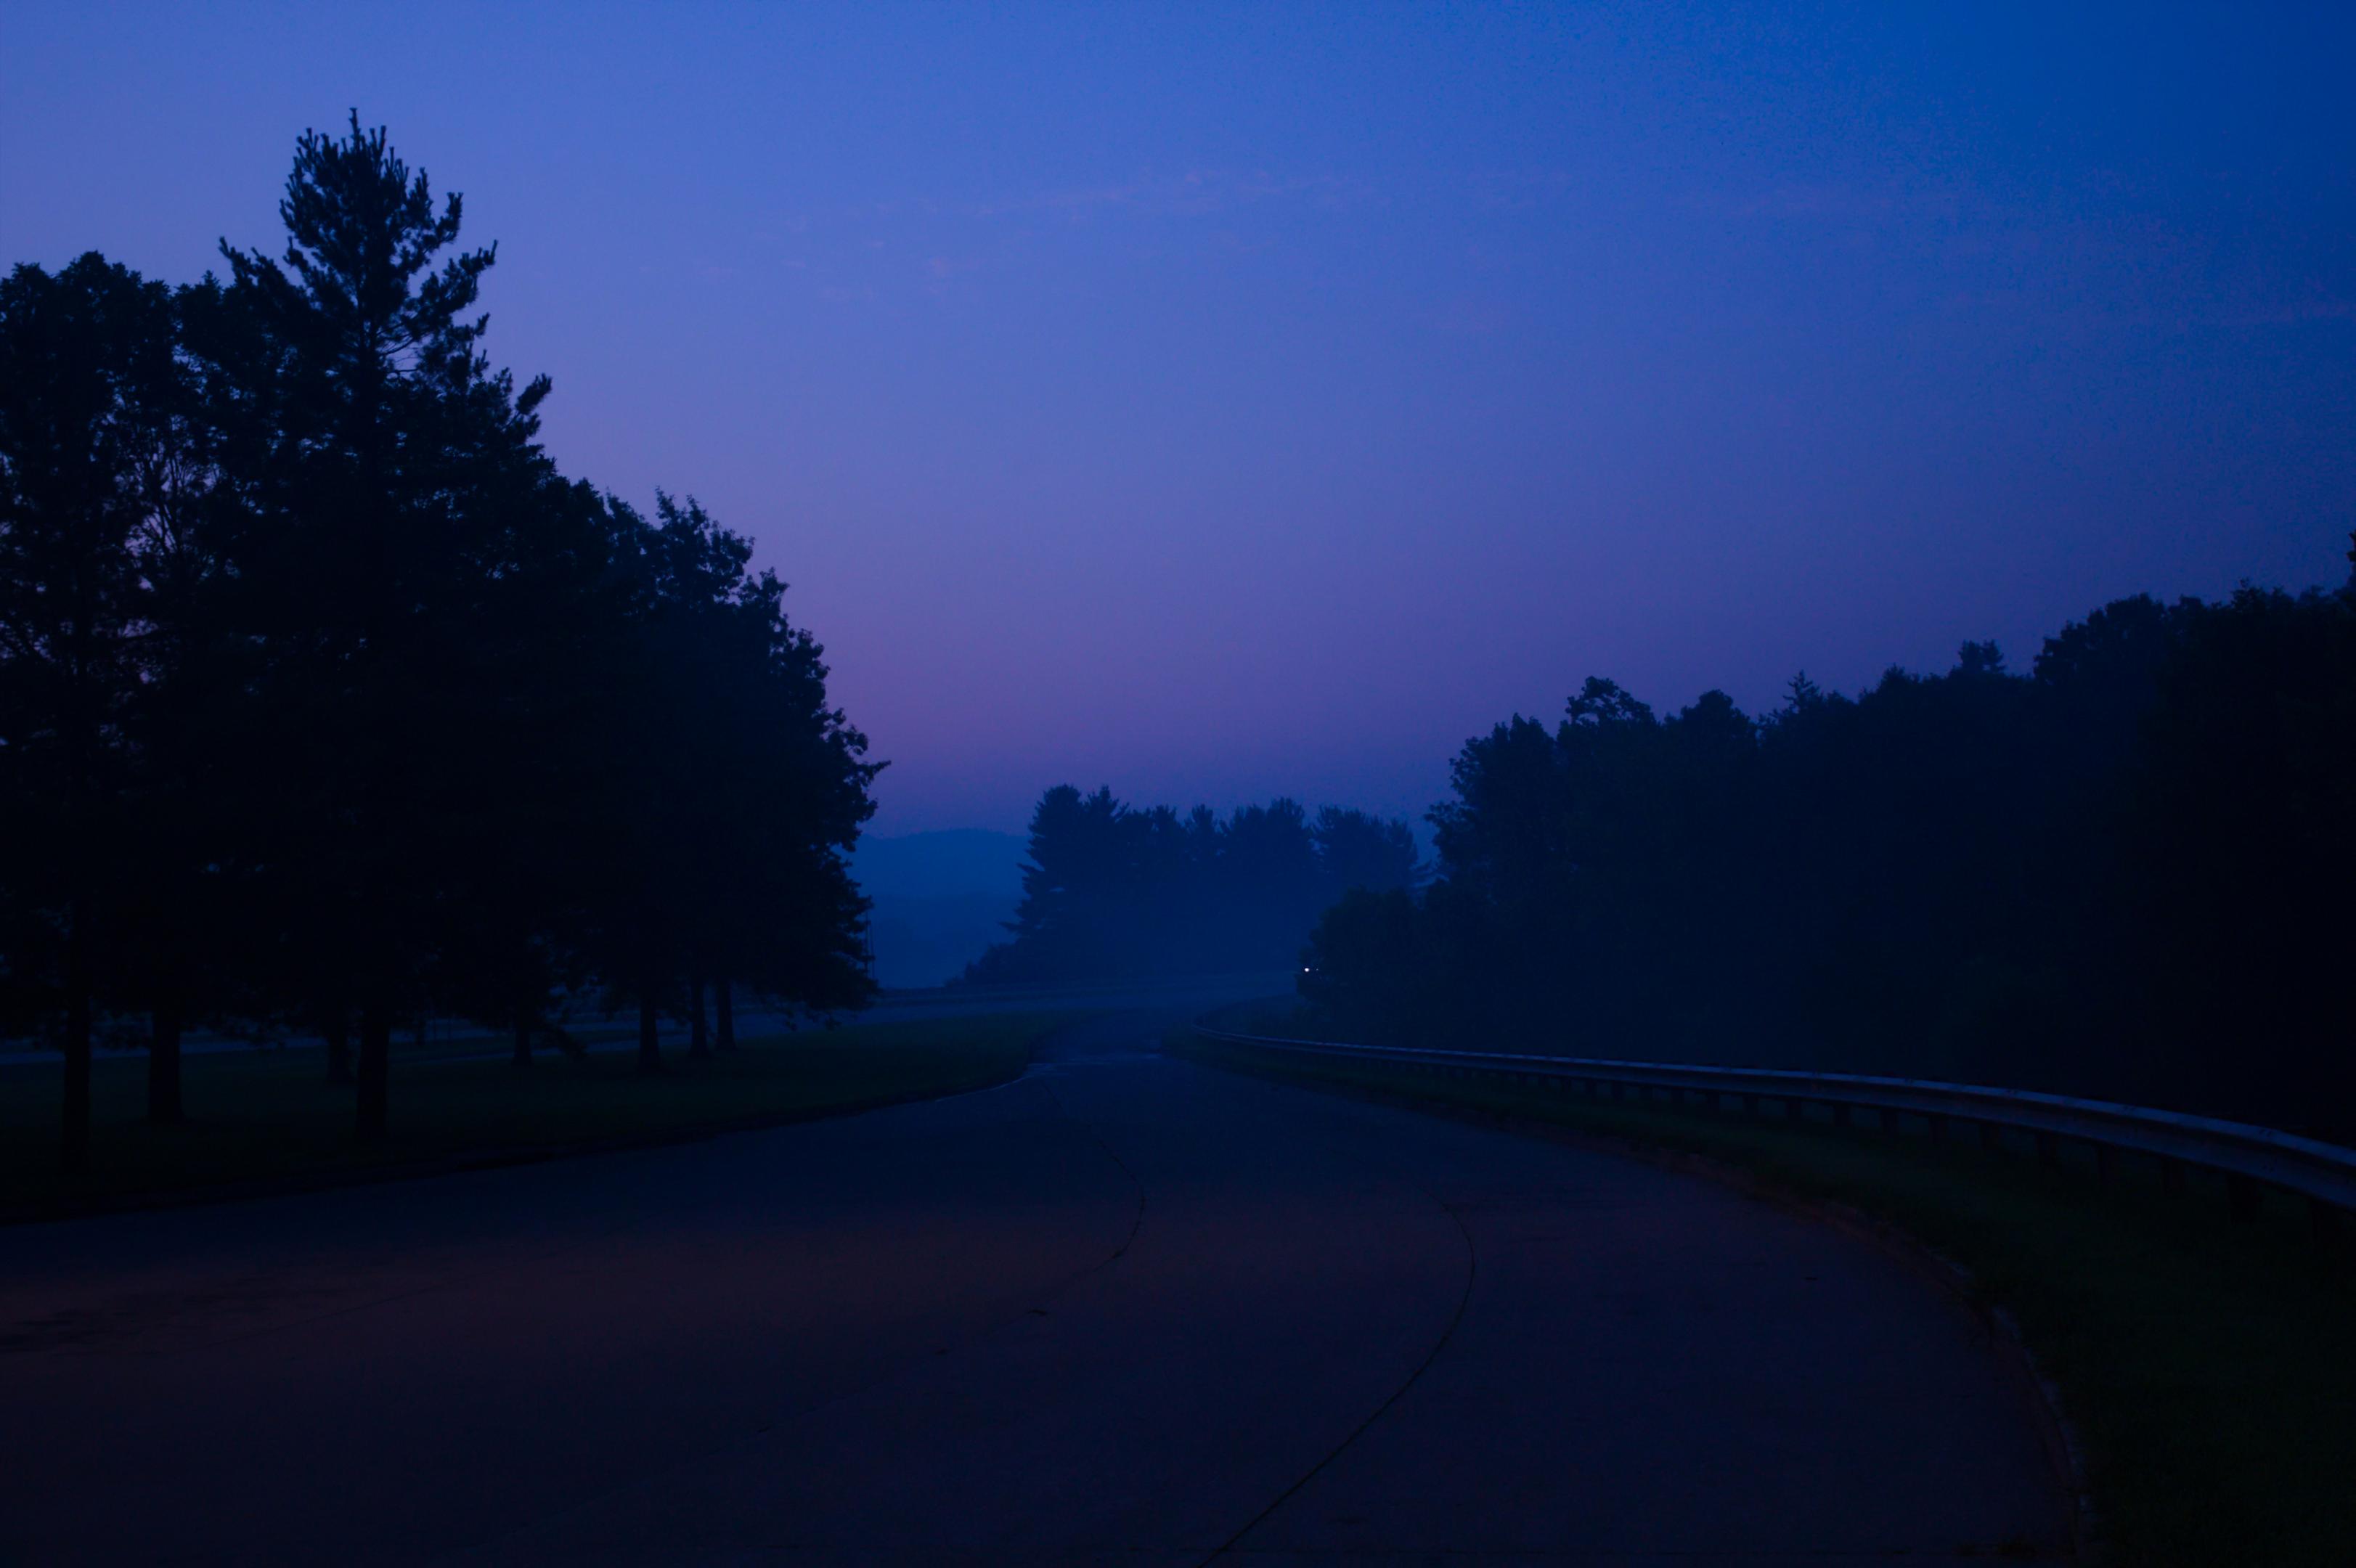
(1362, 852)
(85, 365)
(1111, 892)
(2119, 875)
(380, 521)
(326, 702)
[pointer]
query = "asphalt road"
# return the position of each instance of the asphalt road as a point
(1127, 1310)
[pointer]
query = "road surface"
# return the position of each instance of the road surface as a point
(1127, 1310)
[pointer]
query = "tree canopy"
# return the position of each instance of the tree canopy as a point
(327, 703)
(1113, 890)
(2123, 873)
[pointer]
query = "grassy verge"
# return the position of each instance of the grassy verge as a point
(2208, 1367)
(266, 1118)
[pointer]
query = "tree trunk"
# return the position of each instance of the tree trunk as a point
(164, 1066)
(650, 1041)
(376, 1069)
(339, 1050)
(699, 1041)
(727, 1006)
(73, 1144)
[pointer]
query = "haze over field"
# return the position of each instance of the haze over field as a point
(940, 899)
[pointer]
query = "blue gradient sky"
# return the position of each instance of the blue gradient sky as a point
(1220, 403)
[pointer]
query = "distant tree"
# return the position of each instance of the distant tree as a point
(1269, 885)
(1078, 861)
(1362, 852)
(1110, 890)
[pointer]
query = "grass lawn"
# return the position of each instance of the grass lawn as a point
(262, 1117)
(2208, 1367)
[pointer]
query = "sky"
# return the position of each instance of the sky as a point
(1225, 402)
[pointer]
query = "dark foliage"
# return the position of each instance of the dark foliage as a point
(326, 702)
(2125, 874)
(1112, 891)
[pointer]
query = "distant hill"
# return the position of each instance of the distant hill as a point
(940, 899)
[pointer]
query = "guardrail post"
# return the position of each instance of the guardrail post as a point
(2049, 1149)
(1840, 1113)
(1793, 1109)
(2324, 1220)
(1750, 1104)
(2171, 1175)
(2106, 1162)
(1991, 1137)
(1938, 1128)
(2242, 1196)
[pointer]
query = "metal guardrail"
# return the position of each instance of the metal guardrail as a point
(2249, 1158)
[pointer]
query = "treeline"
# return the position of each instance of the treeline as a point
(1116, 892)
(2128, 874)
(327, 703)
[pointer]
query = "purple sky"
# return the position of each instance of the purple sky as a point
(1227, 404)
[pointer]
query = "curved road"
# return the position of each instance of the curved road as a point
(1126, 1310)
